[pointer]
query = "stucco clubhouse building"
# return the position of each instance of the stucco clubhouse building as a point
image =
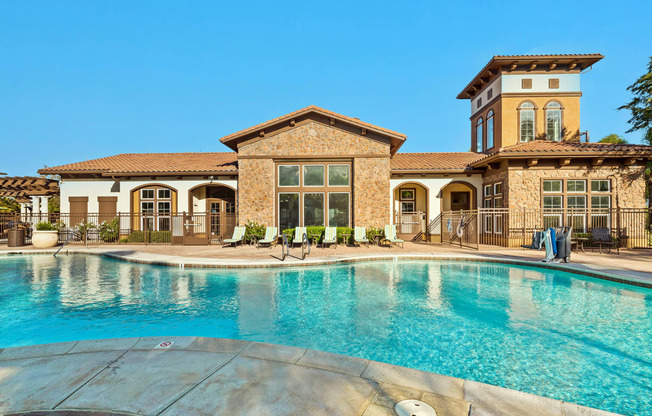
(317, 167)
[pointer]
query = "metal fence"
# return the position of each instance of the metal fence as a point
(505, 227)
(141, 228)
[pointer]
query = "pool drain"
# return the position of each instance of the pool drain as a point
(414, 408)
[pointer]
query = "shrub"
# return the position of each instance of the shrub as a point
(321, 230)
(47, 226)
(109, 230)
(253, 229)
(373, 232)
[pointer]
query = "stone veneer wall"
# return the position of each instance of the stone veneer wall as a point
(256, 187)
(525, 184)
(256, 191)
(371, 192)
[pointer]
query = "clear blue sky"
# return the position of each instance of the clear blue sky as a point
(87, 79)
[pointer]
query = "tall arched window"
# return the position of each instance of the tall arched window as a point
(152, 207)
(553, 121)
(526, 120)
(490, 129)
(478, 135)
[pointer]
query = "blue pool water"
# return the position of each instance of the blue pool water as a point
(545, 332)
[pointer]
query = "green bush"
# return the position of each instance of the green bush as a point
(149, 237)
(321, 230)
(47, 226)
(253, 230)
(373, 232)
(109, 230)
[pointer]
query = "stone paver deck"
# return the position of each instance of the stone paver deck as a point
(630, 266)
(212, 376)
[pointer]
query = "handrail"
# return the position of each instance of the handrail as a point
(305, 243)
(285, 247)
(72, 235)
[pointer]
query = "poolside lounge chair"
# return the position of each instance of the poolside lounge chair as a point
(238, 237)
(330, 236)
(390, 235)
(298, 235)
(360, 236)
(602, 237)
(271, 237)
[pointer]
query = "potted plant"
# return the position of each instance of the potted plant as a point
(46, 235)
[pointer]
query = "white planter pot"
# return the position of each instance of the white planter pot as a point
(45, 239)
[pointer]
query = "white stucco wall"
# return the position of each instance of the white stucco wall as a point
(495, 87)
(434, 185)
(567, 82)
(93, 188)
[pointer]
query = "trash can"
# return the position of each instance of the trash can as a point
(16, 238)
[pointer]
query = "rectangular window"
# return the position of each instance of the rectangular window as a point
(600, 211)
(338, 175)
(553, 83)
(601, 185)
(498, 202)
(498, 218)
(407, 194)
(313, 175)
(498, 188)
(479, 102)
(487, 190)
(163, 194)
(552, 202)
(487, 203)
(338, 209)
(407, 206)
(164, 207)
(313, 209)
(288, 175)
(576, 216)
(552, 211)
(147, 207)
(551, 186)
(526, 83)
(575, 186)
(147, 193)
(288, 210)
(490, 94)
(527, 125)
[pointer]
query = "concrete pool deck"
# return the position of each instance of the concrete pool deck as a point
(632, 267)
(213, 376)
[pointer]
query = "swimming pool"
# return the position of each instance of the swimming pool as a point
(546, 332)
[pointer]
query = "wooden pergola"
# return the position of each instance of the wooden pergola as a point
(22, 188)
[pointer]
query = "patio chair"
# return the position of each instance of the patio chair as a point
(390, 235)
(360, 236)
(238, 237)
(602, 237)
(298, 235)
(271, 237)
(330, 236)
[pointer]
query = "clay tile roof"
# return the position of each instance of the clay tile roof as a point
(313, 108)
(153, 163)
(554, 149)
(445, 161)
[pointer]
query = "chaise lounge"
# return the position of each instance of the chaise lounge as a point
(238, 237)
(270, 239)
(330, 236)
(390, 235)
(298, 235)
(360, 236)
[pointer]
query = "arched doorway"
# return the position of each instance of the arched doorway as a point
(458, 196)
(217, 203)
(410, 210)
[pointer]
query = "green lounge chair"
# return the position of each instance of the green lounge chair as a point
(390, 235)
(298, 235)
(360, 236)
(330, 236)
(238, 237)
(271, 237)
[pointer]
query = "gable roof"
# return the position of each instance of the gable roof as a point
(143, 164)
(232, 139)
(578, 62)
(433, 162)
(549, 149)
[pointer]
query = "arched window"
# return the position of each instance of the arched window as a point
(553, 121)
(490, 129)
(526, 120)
(153, 205)
(478, 135)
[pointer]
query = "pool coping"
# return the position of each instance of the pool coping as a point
(383, 385)
(201, 263)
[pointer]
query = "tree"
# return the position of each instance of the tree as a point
(613, 138)
(641, 105)
(9, 205)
